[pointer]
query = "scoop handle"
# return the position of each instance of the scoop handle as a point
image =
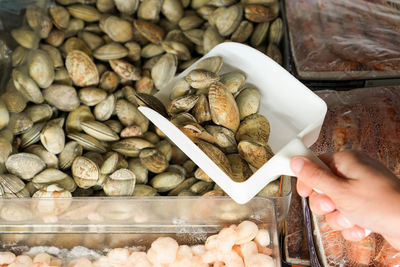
(297, 148)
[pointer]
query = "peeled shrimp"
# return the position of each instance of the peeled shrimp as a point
(118, 256)
(262, 238)
(82, 262)
(260, 260)
(56, 262)
(138, 259)
(163, 250)
(43, 258)
(198, 250)
(6, 257)
(248, 250)
(232, 259)
(245, 232)
(22, 261)
(226, 239)
(101, 262)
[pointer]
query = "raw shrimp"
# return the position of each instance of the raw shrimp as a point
(138, 259)
(6, 257)
(248, 250)
(361, 252)
(118, 256)
(42, 258)
(82, 262)
(197, 261)
(211, 242)
(262, 238)
(198, 250)
(388, 256)
(184, 252)
(101, 262)
(260, 260)
(232, 259)
(22, 261)
(163, 250)
(226, 239)
(245, 232)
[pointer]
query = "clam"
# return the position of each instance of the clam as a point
(61, 76)
(176, 48)
(259, 33)
(125, 70)
(27, 87)
(32, 135)
(109, 81)
(182, 104)
(127, 6)
(240, 168)
(74, 119)
(201, 110)
(248, 101)
(140, 171)
(26, 38)
(60, 16)
(206, 11)
(110, 164)
(114, 125)
(172, 10)
(129, 115)
(223, 107)
(118, 29)
(150, 31)
(74, 43)
(11, 185)
(223, 138)
(216, 155)
(24, 165)
(105, 108)
(105, 6)
(274, 53)
(149, 10)
(165, 148)
(120, 183)
(131, 146)
(164, 70)
(201, 79)
(50, 159)
(152, 50)
(195, 36)
(190, 22)
(234, 80)
(166, 181)
(201, 175)
(63, 97)
(110, 51)
(180, 88)
(91, 39)
(211, 64)
(153, 160)
(134, 50)
(81, 68)
(260, 13)
(51, 207)
(142, 190)
(182, 118)
(151, 137)
(54, 55)
(201, 187)
(55, 37)
(71, 150)
(85, 172)
(145, 84)
(276, 31)
(4, 115)
(185, 185)
(195, 132)
(99, 131)
(84, 12)
(94, 156)
(20, 123)
(53, 176)
(41, 68)
(254, 154)
(270, 190)
(228, 20)
(91, 96)
(19, 56)
(53, 138)
(88, 142)
(254, 128)
(75, 26)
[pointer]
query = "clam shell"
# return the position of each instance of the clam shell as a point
(149, 10)
(274, 52)
(84, 12)
(25, 38)
(75, 25)
(53, 138)
(32, 135)
(60, 16)
(55, 37)
(180, 88)
(74, 43)
(119, 30)
(190, 22)
(152, 50)
(20, 123)
(153, 160)
(131, 146)
(10, 184)
(201, 79)
(228, 20)
(124, 69)
(216, 155)
(206, 11)
(119, 187)
(195, 36)
(71, 150)
(166, 181)
(96, 157)
(114, 125)
(270, 190)
(211, 38)
(254, 128)
(109, 81)
(248, 101)
(195, 132)
(85, 172)
(240, 168)
(201, 187)
(223, 107)
(91, 39)
(151, 137)
(50, 159)
(54, 55)
(164, 70)
(39, 112)
(182, 104)
(4, 115)
(14, 101)
(129, 115)
(259, 33)
(41, 68)
(219, 3)
(87, 142)
(185, 185)
(182, 118)
(276, 31)
(176, 48)
(25, 165)
(99, 131)
(165, 148)
(81, 68)
(53, 176)
(223, 137)
(140, 171)
(105, 108)
(91, 96)
(19, 56)
(256, 155)
(63, 97)
(201, 175)
(74, 119)
(243, 32)
(260, 13)
(150, 31)
(134, 50)
(110, 51)
(105, 6)
(61, 76)
(110, 164)
(152, 102)
(201, 111)
(127, 6)
(27, 87)
(172, 10)
(142, 190)
(234, 80)
(212, 64)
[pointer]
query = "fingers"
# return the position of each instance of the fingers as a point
(321, 204)
(316, 176)
(355, 233)
(303, 190)
(337, 221)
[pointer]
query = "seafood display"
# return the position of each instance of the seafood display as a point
(237, 245)
(69, 112)
(366, 119)
(344, 40)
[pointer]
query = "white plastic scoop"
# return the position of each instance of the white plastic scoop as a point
(295, 114)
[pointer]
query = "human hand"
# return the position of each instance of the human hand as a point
(358, 192)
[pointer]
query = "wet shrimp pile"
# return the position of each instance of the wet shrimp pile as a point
(243, 245)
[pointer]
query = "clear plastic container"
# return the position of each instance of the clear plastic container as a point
(104, 223)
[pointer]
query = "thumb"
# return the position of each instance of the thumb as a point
(316, 176)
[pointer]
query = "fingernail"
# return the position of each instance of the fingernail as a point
(358, 235)
(297, 165)
(327, 207)
(342, 221)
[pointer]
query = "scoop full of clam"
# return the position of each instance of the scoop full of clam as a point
(69, 118)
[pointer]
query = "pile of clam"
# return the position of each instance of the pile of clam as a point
(69, 122)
